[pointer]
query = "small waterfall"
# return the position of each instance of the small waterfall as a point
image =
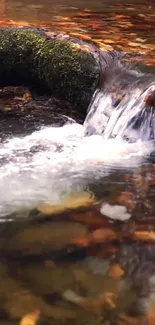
(123, 107)
(52, 162)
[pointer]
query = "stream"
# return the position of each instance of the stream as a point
(77, 208)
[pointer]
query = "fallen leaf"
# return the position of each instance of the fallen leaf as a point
(145, 235)
(82, 241)
(30, 319)
(151, 318)
(134, 44)
(109, 41)
(72, 202)
(103, 235)
(116, 271)
(120, 17)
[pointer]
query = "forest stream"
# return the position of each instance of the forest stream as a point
(77, 207)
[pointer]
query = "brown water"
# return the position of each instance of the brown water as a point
(71, 264)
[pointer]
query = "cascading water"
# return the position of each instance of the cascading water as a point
(54, 161)
(121, 110)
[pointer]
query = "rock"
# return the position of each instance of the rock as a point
(44, 238)
(64, 66)
(47, 281)
(150, 100)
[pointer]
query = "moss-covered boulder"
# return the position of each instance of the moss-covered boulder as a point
(65, 67)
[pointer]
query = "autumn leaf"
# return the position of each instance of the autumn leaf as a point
(134, 44)
(30, 319)
(145, 235)
(82, 241)
(116, 271)
(72, 202)
(109, 41)
(103, 235)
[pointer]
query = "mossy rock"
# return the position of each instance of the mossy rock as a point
(66, 68)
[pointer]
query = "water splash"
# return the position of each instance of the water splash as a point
(55, 161)
(119, 108)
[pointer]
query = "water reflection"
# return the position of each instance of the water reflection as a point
(111, 24)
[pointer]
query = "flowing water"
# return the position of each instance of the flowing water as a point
(119, 109)
(77, 197)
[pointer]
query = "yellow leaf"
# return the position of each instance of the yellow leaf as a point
(109, 41)
(30, 319)
(134, 44)
(72, 202)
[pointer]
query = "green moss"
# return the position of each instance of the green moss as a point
(66, 70)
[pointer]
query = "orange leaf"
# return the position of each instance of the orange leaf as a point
(145, 235)
(103, 235)
(116, 271)
(30, 319)
(151, 318)
(82, 241)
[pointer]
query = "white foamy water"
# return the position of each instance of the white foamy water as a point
(55, 161)
(130, 118)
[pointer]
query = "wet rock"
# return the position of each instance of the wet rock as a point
(47, 280)
(15, 299)
(91, 217)
(64, 66)
(150, 100)
(44, 238)
(92, 304)
(18, 91)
